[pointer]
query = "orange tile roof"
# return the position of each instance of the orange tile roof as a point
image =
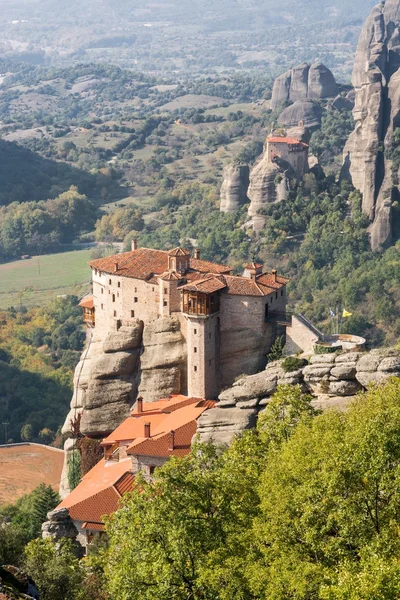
(99, 491)
(204, 266)
(87, 302)
(286, 140)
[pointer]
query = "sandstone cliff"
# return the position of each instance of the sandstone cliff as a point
(269, 182)
(306, 112)
(367, 154)
(304, 82)
(332, 379)
(234, 187)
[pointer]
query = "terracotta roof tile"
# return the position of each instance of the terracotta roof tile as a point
(125, 484)
(178, 252)
(204, 266)
(209, 285)
(95, 506)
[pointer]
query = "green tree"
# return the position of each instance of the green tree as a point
(74, 469)
(46, 500)
(55, 569)
(27, 432)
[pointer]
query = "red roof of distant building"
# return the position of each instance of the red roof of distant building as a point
(286, 140)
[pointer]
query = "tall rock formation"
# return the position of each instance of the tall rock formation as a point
(234, 187)
(304, 82)
(307, 112)
(367, 156)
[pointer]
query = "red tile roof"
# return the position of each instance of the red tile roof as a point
(93, 526)
(286, 140)
(99, 491)
(87, 302)
(178, 252)
(209, 285)
(144, 263)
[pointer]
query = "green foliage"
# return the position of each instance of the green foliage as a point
(119, 224)
(307, 507)
(328, 141)
(276, 351)
(25, 518)
(40, 227)
(36, 379)
(291, 363)
(74, 469)
(55, 570)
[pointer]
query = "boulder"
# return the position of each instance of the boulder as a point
(225, 423)
(109, 391)
(234, 187)
(58, 526)
(302, 110)
(101, 420)
(117, 364)
(299, 82)
(160, 383)
(344, 388)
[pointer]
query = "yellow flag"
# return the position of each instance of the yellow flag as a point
(346, 314)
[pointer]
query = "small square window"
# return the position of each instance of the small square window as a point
(102, 307)
(135, 290)
(109, 281)
(281, 292)
(195, 331)
(135, 299)
(165, 291)
(132, 313)
(276, 295)
(195, 369)
(113, 298)
(153, 289)
(165, 303)
(115, 313)
(195, 350)
(151, 470)
(119, 284)
(102, 290)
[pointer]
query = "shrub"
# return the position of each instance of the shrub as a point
(291, 363)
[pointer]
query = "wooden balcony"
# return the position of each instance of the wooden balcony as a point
(200, 305)
(88, 316)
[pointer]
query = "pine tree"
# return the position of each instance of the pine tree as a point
(45, 501)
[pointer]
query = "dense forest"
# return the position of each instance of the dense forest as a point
(39, 349)
(305, 506)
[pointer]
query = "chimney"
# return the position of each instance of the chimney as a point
(197, 253)
(115, 267)
(171, 441)
(139, 405)
(274, 274)
(147, 430)
(134, 245)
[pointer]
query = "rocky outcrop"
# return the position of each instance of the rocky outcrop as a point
(269, 182)
(234, 187)
(302, 111)
(332, 379)
(16, 584)
(163, 362)
(60, 526)
(302, 83)
(367, 154)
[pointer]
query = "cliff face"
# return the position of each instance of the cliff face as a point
(268, 183)
(332, 379)
(234, 187)
(302, 83)
(377, 114)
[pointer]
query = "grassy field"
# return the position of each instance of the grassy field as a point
(32, 282)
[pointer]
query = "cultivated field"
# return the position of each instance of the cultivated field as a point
(23, 468)
(32, 282)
